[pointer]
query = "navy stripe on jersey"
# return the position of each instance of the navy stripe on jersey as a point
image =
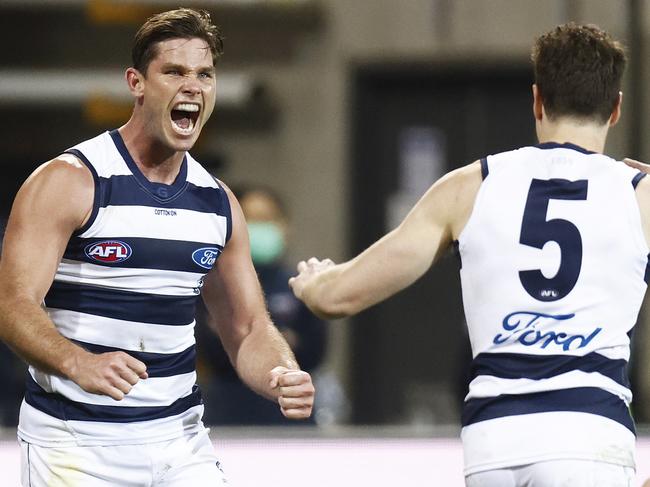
(227, 212)
(646, 277)
(158, 364)
(536, 367)
(122, 305)
(63, 408)
(484, 168)
(638, 177)
(145, 253)
(161, 192)
(79, 155)
(565, 145)
(121, 190)
(456, 251)
(580, 399)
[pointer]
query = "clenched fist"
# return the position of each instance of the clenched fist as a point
(295, 391)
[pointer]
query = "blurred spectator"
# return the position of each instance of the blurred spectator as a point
(230, 401)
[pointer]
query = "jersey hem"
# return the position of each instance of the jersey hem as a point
(521, 461)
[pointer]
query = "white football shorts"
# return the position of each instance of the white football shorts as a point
(182, 462)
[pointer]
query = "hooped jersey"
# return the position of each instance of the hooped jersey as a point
(553, 273)
(129, 280)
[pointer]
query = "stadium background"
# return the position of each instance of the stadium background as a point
(349, 109)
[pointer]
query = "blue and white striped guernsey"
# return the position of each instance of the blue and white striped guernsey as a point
(129, 280)
(553, 271)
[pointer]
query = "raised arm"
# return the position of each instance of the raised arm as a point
(54, 201)
(396, 260)
(256, 348)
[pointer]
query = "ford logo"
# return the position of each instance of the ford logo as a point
(206, 257)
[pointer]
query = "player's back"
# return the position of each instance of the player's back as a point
(553, 275)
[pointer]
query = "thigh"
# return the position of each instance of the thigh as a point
(105, 466)
(190, 460)
(575, 473)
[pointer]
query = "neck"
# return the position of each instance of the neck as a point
(159, 164)
(588, 135)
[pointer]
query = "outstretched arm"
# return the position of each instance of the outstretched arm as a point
(256, 348)
(396, 260)
(54, 201)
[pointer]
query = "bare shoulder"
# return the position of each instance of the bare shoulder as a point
(65, 166)
(60, 189)
(455, 194)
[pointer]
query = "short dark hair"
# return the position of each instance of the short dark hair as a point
(578, 71)
(183, 23)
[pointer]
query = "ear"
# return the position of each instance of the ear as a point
(135, 81)
(538, 105)
(616, 113)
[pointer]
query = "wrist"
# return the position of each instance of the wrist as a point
(70, 365)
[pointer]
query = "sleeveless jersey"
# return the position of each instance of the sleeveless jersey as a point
(129, 280)
(553, 273)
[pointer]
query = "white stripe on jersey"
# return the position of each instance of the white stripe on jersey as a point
(489, 386)
(108, 161)
(199, 176)
(147, 281)
(126, 335)
(537, 437)
(141, 221)
(43, 429)
(151, 392)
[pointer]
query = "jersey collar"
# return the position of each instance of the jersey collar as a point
(565, 145)
(160, 191)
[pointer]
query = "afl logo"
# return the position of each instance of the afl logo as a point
(109, 251)
(206, 257)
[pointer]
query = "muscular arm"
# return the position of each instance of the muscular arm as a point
(54, 201)
(256, 348)
(396, 260)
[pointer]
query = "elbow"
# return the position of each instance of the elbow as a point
(331, 308)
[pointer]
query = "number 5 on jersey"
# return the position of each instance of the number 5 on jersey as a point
(536, 231)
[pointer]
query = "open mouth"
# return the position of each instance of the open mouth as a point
(184, 117)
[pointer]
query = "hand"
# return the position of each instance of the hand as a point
(111, 374)
(645, 168)
(306, 272)
(296, 392)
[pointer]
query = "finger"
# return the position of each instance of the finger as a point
(302, 413)
(291, 281)
(636, 164)
(294, 378)
(122, 385)
(295, 402)
(137, 366)
(113, 392)
(302, 266)
(313, 261)
(275, 374)
(303, 393)
(129, 376)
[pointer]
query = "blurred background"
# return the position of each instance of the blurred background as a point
(347, 110)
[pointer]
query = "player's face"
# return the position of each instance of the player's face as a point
(179, 92)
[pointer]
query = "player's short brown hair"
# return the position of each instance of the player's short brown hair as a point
(578, 71)
(183, 23)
